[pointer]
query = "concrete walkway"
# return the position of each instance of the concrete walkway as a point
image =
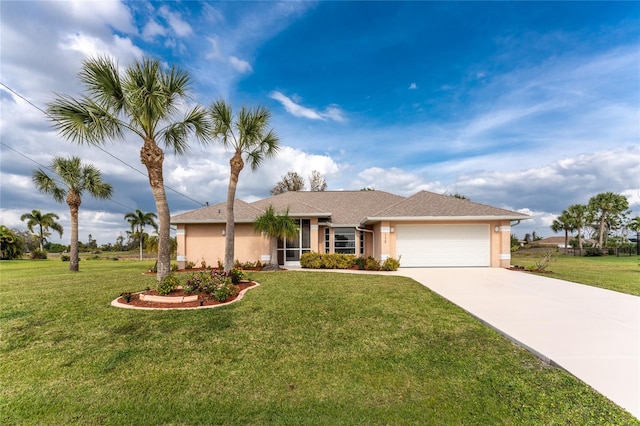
(592, 333)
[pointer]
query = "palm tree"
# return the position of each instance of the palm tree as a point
(276, 226)
(43, 222)
(634, 225)
(76, 178)
(138, 221)
(247, 136)
(606, 208)
(578, 215)
(146, 100)
(563, 223)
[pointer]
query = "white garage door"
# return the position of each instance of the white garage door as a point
(443, 245)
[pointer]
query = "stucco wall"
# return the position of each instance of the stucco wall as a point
(198, 242)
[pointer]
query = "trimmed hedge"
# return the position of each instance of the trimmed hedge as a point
(315, 260)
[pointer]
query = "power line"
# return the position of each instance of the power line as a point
(53, 171)
(97, 146)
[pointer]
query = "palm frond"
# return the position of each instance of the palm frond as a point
(102, 79)
(195, 122)
(46, 184)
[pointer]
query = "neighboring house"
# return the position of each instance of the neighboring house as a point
(552, 242)
(424, 230)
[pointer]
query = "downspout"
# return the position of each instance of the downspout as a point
(373, 238)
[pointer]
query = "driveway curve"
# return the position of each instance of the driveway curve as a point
(592, 333)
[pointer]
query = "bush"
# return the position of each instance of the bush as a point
(174, 267)
(38, 254)
(211, 284)
(371, 264)
(168, 284)
(191, 265)
(314, 260)
(593, 251)
(360, 263)
(65, 257)
(236, 275)
(390, 264)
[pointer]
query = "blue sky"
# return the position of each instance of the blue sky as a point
(530, 106)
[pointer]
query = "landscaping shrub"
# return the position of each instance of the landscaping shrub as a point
(38, 254)
(211, 284)
(593, 251)
(168, 284)
(361, 262)
(65, 257)
(390, 264)
(236, 274)
(371, 264)
(174, 266)
(314, 260)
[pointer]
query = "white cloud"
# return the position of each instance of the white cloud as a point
(175, 21)
(153, 29)
(413, 86)
(240, 65)
(332, 112)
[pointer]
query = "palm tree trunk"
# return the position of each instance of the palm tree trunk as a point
(274, 253)
(153, 157)
(73, 200)
(229, 250)
(140, 245)
(566, 239)
(41, 238)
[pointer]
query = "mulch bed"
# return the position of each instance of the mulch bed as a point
(136, 302)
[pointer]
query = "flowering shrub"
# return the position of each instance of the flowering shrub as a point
(168, 284)
(211, 284)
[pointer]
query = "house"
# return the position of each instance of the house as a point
(423, 230)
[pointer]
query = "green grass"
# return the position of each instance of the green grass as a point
(304, 348)
(620, 274)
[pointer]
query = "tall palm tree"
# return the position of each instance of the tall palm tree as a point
(76, 178)
(606, 208)
(144, 99)
(247, 136)
(44, 222)
(276, 226)
(578, 215)
(138, 221)
(563, 223)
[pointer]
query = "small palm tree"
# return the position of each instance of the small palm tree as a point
(276, 226)
(138, 221)
(566, 224)
(146, 100)
(247, 136)
(578, 215)
(44, 222)
(606, 208)
(76, 179)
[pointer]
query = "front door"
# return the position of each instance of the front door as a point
(289, 252)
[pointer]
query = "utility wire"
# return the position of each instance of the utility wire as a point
(97, 146)
(53, 171)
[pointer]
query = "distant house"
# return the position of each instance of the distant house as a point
(423, 230)
(553, 242)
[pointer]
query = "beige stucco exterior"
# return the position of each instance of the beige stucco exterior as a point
(375, 215)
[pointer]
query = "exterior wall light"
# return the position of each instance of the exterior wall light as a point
(224, 232)
(496, 228)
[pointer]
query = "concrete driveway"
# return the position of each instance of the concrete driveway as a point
(592, 333)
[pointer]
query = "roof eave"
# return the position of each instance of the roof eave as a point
(370, 220)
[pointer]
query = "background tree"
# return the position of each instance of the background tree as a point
(276, 226)
(292, 181)
(146, 100)
(76, 179)
(138, 220)
(607, 208)
(577, 214)
(248, 138)
(317, 182)
(10, 244)
(566, 224)
(634, 225)
(43, 222)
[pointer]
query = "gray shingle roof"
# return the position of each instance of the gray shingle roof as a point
(242, 212)
(429, 204)
(351, 208)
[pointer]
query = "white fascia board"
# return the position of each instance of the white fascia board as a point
(440, 218)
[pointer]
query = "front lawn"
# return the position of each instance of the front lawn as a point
(303, 348)
(613, 273)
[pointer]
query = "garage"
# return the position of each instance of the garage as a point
(436, 245)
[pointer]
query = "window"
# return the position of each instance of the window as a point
(361, 243)
(344, 240)
(327, 240)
